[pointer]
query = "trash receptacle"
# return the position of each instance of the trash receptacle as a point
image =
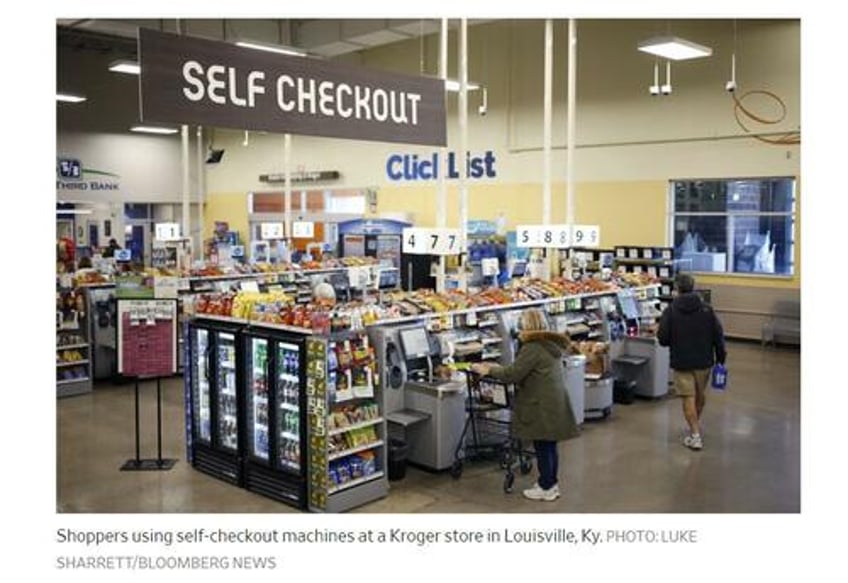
(398, 452)
(624, 391)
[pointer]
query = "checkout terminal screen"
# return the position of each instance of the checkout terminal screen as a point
(415, 342)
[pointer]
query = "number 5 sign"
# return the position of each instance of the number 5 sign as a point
(419, 241)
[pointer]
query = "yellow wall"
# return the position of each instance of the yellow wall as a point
(629, 213)
(230, 207)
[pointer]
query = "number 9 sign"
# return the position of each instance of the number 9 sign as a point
(587, 235)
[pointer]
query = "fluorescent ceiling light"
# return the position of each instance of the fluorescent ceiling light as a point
(674, 48)
(70, 98)
(73, 211)
(129, 67)
(152, 130)
(453, 85)
(271, 48)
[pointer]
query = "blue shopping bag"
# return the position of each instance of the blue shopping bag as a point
(719, 377)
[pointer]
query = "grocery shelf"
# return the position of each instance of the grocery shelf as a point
(356, 482)
(71, 346)
(353, 450)
(71, 363)
(289, 407)
(290, 436)
(290, 465)
(359, 425)
(492, 355)
(69, 381)
(486, 341)
(288, 377)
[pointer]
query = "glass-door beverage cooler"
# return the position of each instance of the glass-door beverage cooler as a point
(275, 457)
(213, 382)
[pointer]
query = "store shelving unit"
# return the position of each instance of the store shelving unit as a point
(655, 261)
(586, 261)
(73, 349)
(347, 428)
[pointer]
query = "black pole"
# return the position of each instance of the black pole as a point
(159, 420)
(137, 439)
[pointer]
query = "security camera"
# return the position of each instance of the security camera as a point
(666, 89)
(482, 110)
(654, 89)
(730, 86)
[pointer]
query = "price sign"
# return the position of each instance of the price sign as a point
(547, 236)
(421, 241)
(586, 235)
(167, 231)
(249, 286)
(271, 231)
(303, 230)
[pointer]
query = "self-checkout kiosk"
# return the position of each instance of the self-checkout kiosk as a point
(426, 412)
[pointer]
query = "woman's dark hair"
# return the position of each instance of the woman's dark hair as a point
(684, 282)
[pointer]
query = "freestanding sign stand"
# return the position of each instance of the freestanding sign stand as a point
(137, 464)
(147, 350)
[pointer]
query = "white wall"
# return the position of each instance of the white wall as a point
(622, 132)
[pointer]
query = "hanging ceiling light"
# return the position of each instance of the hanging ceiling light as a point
(283, 50)
(70, 98)
(153, 130)
(453, 85)
(674, 48)
(124, 66)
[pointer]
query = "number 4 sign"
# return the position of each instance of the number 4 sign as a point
(420, 241)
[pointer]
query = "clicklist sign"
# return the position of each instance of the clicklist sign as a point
(415, 167)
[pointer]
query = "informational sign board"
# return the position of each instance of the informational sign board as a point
(544, 236)
(189, 80)
(422, 241)
(303, 230)
(558, 236)
(147, 338)
(167, 231)
(271, 231)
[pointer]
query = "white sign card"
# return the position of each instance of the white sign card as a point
(421, 241)
(586, 235)
(544, 236)
(303, 230)
(271, 231)
(167, 231)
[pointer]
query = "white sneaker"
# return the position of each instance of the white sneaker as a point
(695, 442)
(537, 493)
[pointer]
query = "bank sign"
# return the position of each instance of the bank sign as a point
(197, 81)
(71, 175)
(426, 167)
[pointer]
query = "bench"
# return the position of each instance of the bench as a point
(784, 324)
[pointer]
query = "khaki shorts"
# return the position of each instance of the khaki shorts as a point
(688, 383)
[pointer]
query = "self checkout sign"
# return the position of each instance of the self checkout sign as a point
(545, 236)
(418, 241)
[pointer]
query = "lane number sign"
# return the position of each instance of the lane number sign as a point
(423, 241)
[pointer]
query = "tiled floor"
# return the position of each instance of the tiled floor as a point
(631, 462)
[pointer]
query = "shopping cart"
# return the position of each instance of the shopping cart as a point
(487, 434)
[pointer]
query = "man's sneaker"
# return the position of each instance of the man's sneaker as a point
(693, 442)
(537, 493)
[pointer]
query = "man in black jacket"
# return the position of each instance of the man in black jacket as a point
(692, 331)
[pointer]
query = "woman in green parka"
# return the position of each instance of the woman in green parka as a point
(542, 411)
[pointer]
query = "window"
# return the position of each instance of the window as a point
(734, 225)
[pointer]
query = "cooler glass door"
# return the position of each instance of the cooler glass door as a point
(200, 389)
(287, 395)
(226, 384)
(257, 397)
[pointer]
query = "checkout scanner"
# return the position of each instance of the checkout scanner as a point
(427, 413)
